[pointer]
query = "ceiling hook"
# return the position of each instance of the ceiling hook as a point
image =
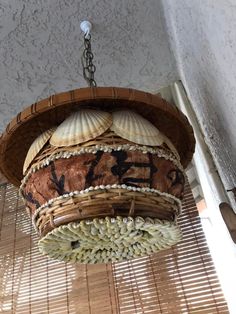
(86, 27)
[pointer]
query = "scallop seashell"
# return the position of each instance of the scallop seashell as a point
(133, 127)
(36, 147)
(81, 127)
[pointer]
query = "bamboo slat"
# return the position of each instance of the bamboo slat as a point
(179, 280)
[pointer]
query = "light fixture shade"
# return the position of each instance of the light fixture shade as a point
(110, 196)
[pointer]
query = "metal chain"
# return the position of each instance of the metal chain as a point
(87, 62)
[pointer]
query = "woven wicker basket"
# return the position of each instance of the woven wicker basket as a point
(112, 199)
(67, 208)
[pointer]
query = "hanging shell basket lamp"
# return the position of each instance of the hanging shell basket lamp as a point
(101, 172)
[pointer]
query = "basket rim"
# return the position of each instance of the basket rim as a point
(28, 124)
(93, 203)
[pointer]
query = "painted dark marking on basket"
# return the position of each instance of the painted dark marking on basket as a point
(59, 183)
(153, 168)
(133, 169)
(90, 177)
(29, 198)
(123, 166)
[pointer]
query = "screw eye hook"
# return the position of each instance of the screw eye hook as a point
(86, 27)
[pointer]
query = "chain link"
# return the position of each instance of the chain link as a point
(87, 62)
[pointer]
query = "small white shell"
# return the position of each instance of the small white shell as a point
(80, 127)
(36, 146)
(135, 128)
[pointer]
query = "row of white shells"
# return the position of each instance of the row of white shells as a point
(87, 124)
(109, 239)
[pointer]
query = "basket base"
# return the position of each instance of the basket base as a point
(109, 239)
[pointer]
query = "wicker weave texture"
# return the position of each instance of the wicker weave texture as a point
(102, 200)
(102, 203)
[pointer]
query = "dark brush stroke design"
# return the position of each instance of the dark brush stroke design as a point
(59, 183)
(153, 169)
(29, 198)
(122, 167)
(90, 177)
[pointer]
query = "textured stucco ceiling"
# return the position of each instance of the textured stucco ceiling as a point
(41, 44)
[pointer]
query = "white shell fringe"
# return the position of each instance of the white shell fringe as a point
(109, 239)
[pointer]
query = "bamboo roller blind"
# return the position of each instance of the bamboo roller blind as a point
(178, 280)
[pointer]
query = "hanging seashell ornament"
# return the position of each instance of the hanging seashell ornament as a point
(93, 197)
(104, 200)
(80, 127)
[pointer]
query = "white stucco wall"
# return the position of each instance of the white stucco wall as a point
(203, 38)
